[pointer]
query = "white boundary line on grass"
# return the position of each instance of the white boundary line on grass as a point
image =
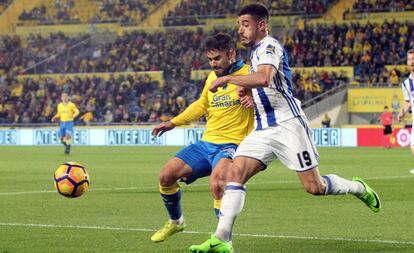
(193, 185)
(198, 232)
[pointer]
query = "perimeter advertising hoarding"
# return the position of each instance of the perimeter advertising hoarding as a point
(374, 137)
(132, 137)
(322, 137)
(51, 137)
(9, 137)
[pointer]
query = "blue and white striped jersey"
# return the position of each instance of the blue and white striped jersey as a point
(408, 90)
(275, 103)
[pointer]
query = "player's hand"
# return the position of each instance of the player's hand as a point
(53, 120)
(162, 128)
(247, 101)
(242, 91)
(219, 82)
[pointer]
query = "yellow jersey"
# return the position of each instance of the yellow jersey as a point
(227, 120)
(67, 112)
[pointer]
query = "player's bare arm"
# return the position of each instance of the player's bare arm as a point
(55, 118)
(162, 128)
(261, 78)
(193, 112)
(404, 110)
(76, 114)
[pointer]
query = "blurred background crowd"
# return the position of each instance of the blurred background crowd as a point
(29, 94)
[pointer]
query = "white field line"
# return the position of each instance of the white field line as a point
(315, 238)
(192, 185)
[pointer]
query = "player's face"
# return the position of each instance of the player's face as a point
(410, 61)
(65, 98)
(218, 60)
(249, 29)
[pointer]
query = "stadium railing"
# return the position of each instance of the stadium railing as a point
(341, 86)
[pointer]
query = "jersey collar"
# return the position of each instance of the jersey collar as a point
(260, 43)
(237, 65)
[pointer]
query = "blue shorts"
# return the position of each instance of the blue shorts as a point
(66, 128)
(203, 157)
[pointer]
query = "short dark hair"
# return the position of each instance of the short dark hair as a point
(219, 42)
(411, 51)
(386, 107)
(257, 11)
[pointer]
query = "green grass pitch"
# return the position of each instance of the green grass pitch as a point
(123, 207)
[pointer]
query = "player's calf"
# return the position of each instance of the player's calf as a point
(312, 181)
(63, 141)
(315, 188)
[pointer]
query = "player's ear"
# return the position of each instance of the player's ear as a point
(262, 25)
(232, 53)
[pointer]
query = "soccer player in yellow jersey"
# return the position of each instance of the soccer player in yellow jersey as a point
(66, 113)
(229, 120)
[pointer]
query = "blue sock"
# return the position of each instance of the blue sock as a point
(217, 204)
(173, 204)
(217, 212)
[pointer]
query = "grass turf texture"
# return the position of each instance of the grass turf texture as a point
(123, 207)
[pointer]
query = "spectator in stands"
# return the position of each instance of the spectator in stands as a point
(394, 78)
(108, 118)
(326, 121)
(374, 120)
(87, 118)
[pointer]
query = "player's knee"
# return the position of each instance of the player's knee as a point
(234, 174)
(412, 151)
(216, 186)
(166, 177)
(214, 181)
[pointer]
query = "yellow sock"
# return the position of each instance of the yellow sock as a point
(217, 205)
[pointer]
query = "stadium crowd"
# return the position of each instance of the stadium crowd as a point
(64, 13)
(127, 99)
(4, 4)
(125, 11)
(310, 85)
(193, 12)
(292, 7)
(367, 47)
(364, 6)
(175, 52)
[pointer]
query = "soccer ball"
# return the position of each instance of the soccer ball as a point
(71, 180)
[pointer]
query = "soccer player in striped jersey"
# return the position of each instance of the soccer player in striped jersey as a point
(408, 91)
(282, 131)
(66, 113)
(229, 120)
